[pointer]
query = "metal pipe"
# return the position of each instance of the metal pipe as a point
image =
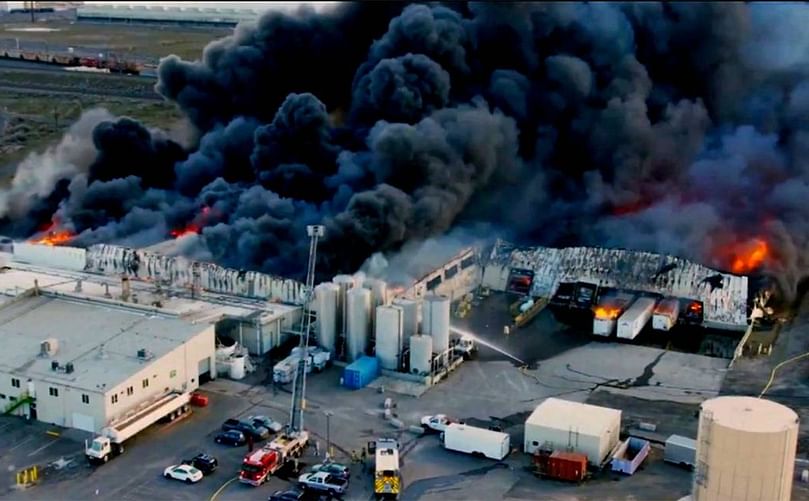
(328, 414)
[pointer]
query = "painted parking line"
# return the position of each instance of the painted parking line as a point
(34, 452)
(29, 439)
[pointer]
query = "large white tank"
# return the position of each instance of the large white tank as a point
(410, 309)
(745, 450)
(389, 336)
(359, 322)
(345, 283)
(435, 321)
(421, 354)
(237, 367)
(326, 299)
(378, 290)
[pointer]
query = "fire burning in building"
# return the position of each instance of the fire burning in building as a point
(53, 235)
(195, 226)
(750, 257)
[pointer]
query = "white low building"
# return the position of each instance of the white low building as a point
(573, 427)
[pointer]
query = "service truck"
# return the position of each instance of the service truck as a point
(476, 441)
(387, 470)
(258, 465)
(110, 442)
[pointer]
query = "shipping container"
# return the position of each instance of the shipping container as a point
(635, 318)
(360, 373)
(681, 451)
(665, 314)
(630, 455)
(568, 466)
(476, 441)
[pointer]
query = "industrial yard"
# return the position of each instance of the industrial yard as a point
(552, 252)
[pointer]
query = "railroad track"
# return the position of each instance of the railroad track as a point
(92, 91)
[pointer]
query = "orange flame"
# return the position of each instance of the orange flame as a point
(750, 256)
(53, 236)
(607, 312)
(193, 227)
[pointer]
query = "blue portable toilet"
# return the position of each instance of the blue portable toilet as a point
(358, 374)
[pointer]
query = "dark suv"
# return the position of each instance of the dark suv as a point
(203, 462)
(257, 432)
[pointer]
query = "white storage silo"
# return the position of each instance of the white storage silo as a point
(435, 321)
(359, 322)
(326, 299)
(389, 336)
(421, 354)
(345, 283)
(378, 290)
(745, 450)
(410, 310)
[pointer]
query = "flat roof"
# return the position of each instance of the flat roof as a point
(587, 419)
(205, 307)
(82, 329)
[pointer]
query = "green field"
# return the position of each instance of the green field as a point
(146, 41)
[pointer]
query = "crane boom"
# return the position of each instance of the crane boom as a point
(299, 383)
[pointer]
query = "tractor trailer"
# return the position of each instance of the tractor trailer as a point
(110, 442)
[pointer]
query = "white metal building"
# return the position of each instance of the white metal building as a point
(80, 364)
(572, 426)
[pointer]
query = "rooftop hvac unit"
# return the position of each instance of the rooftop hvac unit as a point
(54, 365)
(49, 347)
(69, 368)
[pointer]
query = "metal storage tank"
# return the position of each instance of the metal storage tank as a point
(421, 354)
(359, 322)
(389, 336)
(745, 450)
(326, 298)
(410, 311)
(572, 426)
(436, 321)
(345, 283)
(378, 290)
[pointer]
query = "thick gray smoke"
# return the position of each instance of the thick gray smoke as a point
(678, 128)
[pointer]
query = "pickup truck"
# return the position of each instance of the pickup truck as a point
(437, 423)
(322, 481)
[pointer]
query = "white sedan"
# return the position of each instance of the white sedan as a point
(183, 472)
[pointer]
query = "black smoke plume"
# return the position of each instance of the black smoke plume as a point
(679, 128)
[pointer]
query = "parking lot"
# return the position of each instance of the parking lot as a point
(648, 384)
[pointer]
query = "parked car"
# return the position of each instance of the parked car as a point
(203, 462)
(246, 427)
(294, 494)
(184, 473)
(336, 469)
(267, 422)
(437, 423)
(231, 437)
(323, 482)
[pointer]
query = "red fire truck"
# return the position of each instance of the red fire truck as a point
(258, 465)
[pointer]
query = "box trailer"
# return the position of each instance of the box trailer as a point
(630, 455)
(606, 313)
(635, 318)
(477, 441)
(665, 314)
(681, 451)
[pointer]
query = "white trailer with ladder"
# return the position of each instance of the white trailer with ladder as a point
(110, 442)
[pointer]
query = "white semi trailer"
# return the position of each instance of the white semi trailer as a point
(635, 318)
(110, 442)
(477, 441)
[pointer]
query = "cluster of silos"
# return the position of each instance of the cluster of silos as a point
(354, 316)
(745, 450)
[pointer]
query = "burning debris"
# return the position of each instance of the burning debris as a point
(658, 127)
(53, 235)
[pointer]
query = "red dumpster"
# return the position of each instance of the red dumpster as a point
(569, 466)
(199, 399)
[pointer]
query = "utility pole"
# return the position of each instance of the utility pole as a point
(299, 383)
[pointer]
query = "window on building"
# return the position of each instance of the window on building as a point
(467, 262)
(451, 271)
(2, 397)
(85, 399)
(114, 399)
(54, 392)
(173, 373)
(15, 382)
(433, 283)
(146, 383)
(130, 390)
